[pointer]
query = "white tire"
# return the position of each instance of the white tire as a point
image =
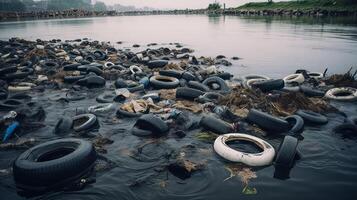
(342, 94)
(135, 69)
(252, 159)
(248, 83)
(294, 78)
(316, 75)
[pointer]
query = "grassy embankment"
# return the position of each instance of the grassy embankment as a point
(333, 5)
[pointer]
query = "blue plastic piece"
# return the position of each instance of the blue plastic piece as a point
(145, 81)
(10, 130)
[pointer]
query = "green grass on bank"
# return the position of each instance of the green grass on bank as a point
(350, 5)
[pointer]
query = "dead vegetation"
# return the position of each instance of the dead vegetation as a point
(285, 104)
(343, 80)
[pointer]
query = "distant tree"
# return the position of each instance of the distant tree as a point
(99, 6)
(11, 5)
(69, 4)
(214, 6)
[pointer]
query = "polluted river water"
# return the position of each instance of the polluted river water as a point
(270, 46)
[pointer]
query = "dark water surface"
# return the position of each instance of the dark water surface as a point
(270, 46)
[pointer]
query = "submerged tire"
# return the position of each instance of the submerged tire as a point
(311, 92)
(268, 122)
(268, 85)
(63, 126)
(296, 122)
(152, 123)
(197, 85)
(54, 164)
(312, 117)
(84, 122)
(286, 153)
(216, 125)
(188, 93)
(164, 82)
(216, 80)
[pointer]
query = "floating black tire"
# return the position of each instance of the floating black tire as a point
(188, 93)
(84, 122)
(164, 82)
(312, 117)
(296, 122)
(216, 80)
(216, 125)
(199, 86)
(268, 122)
(63, 126)
(268, 85)
(311, 92)
(54, 164)
(286, 153)
(152, 123)
(171, 73)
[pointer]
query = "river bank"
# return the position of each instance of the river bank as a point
(240, 11)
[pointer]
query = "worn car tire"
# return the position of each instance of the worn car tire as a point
(54, 164)
(188, 93)
(312, 117)
(296, 122)
(199, 86)
(268, 85)
(286, 154)
(268, 122)
(152, 123)
(216, 125)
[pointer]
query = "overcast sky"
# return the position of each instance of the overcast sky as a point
(176, 3)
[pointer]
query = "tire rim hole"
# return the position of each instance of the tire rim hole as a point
(244, 146)
(55, 154)
(343, 94)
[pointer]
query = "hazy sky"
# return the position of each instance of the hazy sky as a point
(177, 3)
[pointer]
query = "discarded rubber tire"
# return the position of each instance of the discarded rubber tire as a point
(71, 67)
(296, 122)
(99, 109)
(268, 85)
(140, 132)
(214, 79)
(120, 83)
(152, 123)
(268, 122)
(63, 126)
(209, 97)
(84, 122)
(311, 92)
(346, 128)
(312, 117)
(255, 76)
(199, 86)
(135, 69)
(157, 64)
(136, 88)
(123, 113)
(188, 93)
(248, 83)
(286, 153)
(92, 82)
(105, 98)
(342, 94)
(164, 82)
(294, 78)
(72, 79)
(54, 164)
(188, 76)
(251, 159)
(10, 104)
(171, 73)
(215, 125)
(316, 75)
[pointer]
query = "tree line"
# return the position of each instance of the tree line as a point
(30, 5)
